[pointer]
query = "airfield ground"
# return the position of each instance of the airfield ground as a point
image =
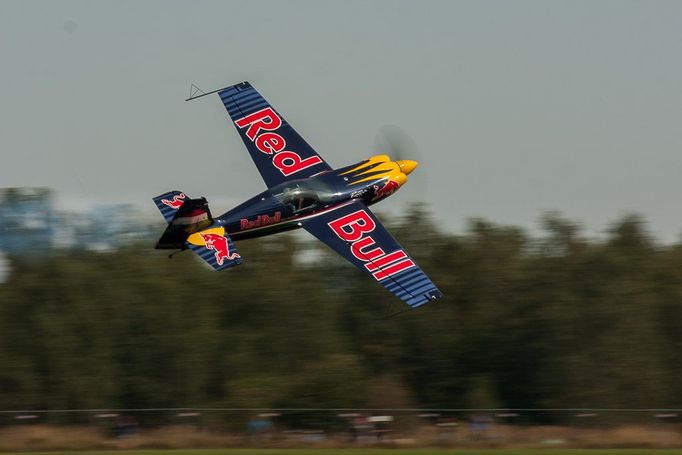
(506, 440)
(371, 452)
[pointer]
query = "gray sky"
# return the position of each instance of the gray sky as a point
(517, 107)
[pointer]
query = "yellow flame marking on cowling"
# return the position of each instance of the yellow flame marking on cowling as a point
(376, 170)
(377, 167)
(373, 160)
(196, 239)
(385, 173)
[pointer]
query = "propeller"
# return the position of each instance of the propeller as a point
(395, 142)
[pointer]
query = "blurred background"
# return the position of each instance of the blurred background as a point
(550, 330)
(546, 208)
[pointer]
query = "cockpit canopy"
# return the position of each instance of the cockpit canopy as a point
(302, 194)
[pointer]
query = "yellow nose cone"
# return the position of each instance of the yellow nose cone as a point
(407, 166)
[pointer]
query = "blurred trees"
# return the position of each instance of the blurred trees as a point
(553, 321)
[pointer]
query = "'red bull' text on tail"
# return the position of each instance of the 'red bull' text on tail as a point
(191, 225)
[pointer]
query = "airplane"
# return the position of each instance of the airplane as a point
(303, 192)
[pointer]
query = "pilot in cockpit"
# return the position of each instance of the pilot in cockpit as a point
(297, 199)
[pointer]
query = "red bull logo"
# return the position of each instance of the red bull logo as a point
(389, 188)
(176, 202)
(261, 220)
(271, 143)
(355, 229)
(214, 239)
(220, 246)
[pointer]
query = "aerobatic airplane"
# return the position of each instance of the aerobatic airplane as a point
(303, 191)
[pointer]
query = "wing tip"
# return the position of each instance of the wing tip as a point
(195, 94)
(427, 297)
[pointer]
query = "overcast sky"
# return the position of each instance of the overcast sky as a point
(516, 106)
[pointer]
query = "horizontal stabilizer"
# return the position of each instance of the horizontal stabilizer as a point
(214, 246)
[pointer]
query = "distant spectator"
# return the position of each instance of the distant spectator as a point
(361, 428)
(260, 427)
(481, 426)
(126, 427)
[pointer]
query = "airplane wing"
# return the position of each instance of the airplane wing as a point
(355, 233)
(279, 152)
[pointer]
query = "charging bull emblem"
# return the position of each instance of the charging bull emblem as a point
(220, 246)
(389, 188)
(176, 202)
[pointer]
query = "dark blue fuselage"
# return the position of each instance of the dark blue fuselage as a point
(283, 207)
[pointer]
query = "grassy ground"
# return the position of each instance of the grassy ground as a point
(371, 452)
(182, 440)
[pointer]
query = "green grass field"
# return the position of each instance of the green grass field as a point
(370, 452)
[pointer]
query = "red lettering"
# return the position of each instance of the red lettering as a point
(357, 249)
(393, 269)
(290, 162)
(351, 227)
(270, 143)
(385, 260)
(261, 220)
(265, 119)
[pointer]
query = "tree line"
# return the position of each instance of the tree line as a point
(549, 320)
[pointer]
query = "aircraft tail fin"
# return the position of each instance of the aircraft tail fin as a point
(184, 216)
(190, 225)
(169, 203)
